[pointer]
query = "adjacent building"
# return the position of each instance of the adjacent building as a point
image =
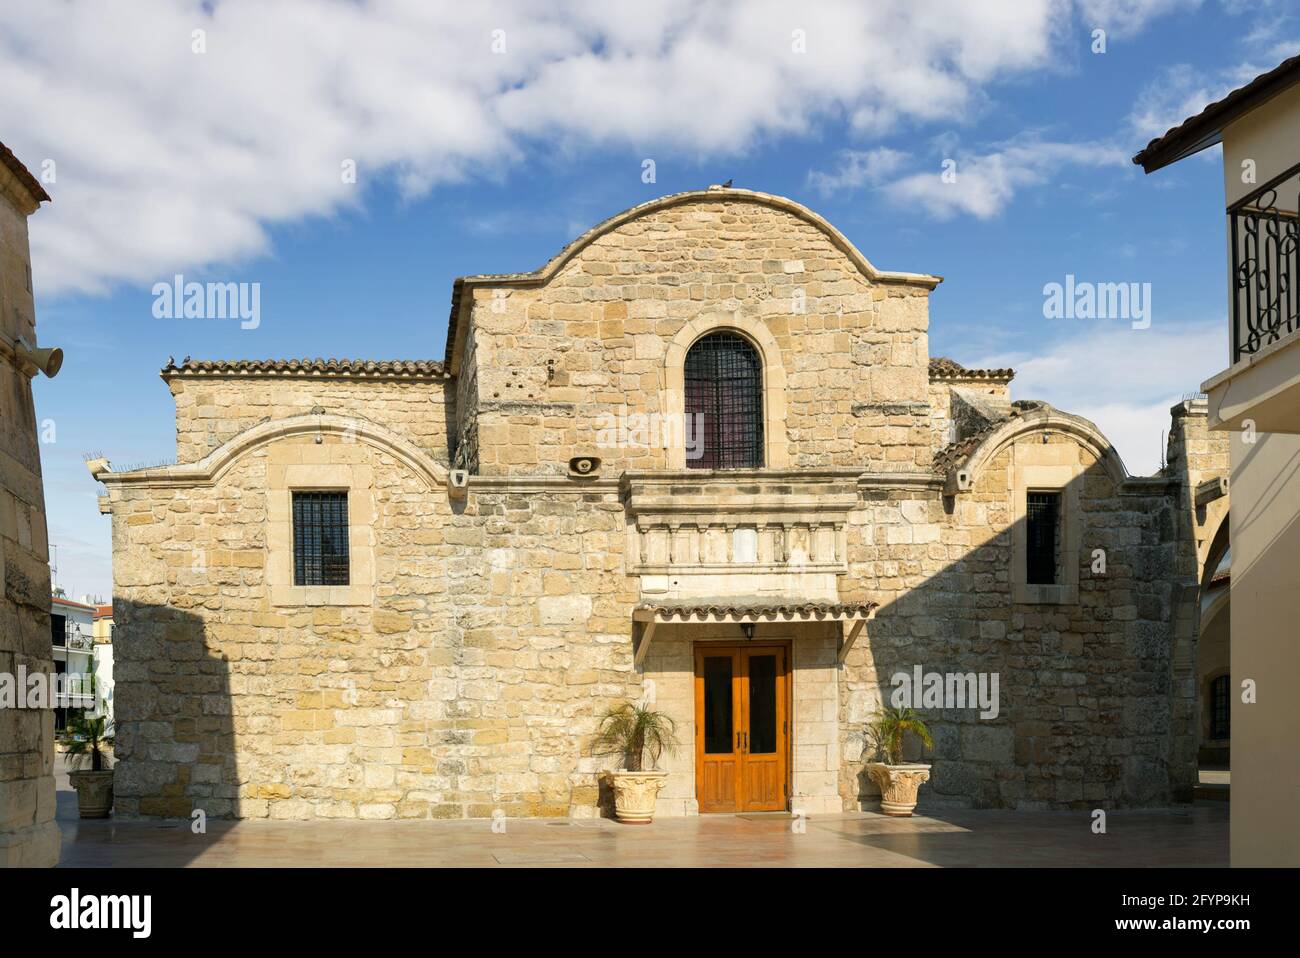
(1255, 402)
(73, 641)
(702, 458)
(28, 835)
(103, 630)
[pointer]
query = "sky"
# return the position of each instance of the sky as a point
(987, 142)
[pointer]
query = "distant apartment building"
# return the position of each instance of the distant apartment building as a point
(73, 642)
(103, 633)
(1256, 402)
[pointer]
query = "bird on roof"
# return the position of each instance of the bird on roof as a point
(727, 185)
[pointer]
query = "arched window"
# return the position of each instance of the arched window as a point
(724, 403)
(1220, 707)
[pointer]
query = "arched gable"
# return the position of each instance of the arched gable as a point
(1085, 433)
(456, 325)
(212, 467)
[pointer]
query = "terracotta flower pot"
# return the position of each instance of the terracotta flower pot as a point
(898, 786)
(94, 792)
(635, 794)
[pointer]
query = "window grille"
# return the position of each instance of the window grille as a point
(320, 538)
(724, 403)
(1042, 516)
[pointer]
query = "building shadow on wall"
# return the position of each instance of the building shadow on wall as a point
(1095, 696)
(176, 781)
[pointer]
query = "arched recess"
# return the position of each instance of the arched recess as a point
(212, 467)
(672, 396)
(1218, 548)
(1077, 428)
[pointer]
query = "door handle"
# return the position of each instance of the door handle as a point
(737, 741)
(746, 747)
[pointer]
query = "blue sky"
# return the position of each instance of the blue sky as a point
(223, 165)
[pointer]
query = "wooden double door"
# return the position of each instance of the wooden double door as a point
(742, 727)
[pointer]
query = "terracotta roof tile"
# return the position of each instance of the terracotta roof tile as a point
(941, 367)
(32, 184)
(362, 368)
(1205, 128)
(954, 454)
(758, 608)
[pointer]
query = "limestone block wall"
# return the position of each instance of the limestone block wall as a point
(500, 631)
(212, 409)
(28, 835)
(1084, 686)
(496, 635)
(465, 672)
(557, 362)
(1195, 455)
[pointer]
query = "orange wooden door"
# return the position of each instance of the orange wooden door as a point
(742, 727)
(717, 728)
(765, 729)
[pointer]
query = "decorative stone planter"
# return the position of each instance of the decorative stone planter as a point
(94, 792)
(898, 786)
(635, 794)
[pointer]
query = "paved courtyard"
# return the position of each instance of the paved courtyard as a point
(1187, 837)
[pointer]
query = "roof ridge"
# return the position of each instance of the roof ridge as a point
(942, 367)
(1209, 122)
(29, 182)
(375, 368)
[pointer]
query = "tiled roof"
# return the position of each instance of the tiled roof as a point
(941, 367)
(1205, 128)
(757, 609)
(32, 184)
(954, 454)
(362, 368)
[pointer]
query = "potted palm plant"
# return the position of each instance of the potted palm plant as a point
(633, 732)
(898, 781)
(85, 747)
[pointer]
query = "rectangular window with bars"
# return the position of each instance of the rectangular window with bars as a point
(320, 538)
(1042, 519)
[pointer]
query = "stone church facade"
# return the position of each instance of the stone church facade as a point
(703, 458)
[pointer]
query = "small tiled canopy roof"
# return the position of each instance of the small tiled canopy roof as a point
(954, 454)
(31, 183)
(750, 609)
(364, 368)
(941, 367)
(1205, 129)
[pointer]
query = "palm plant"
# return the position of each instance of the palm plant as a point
(885, 733)
(87, 736)
(632, 730)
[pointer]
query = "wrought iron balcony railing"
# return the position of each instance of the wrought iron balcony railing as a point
(1265, 237)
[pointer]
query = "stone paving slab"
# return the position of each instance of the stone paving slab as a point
(1190, 837)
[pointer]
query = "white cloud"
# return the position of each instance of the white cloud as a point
(1181, 91)
(981, 185)
(856, 169)
(1126, 17)
(168, 160)
(1123, 379)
